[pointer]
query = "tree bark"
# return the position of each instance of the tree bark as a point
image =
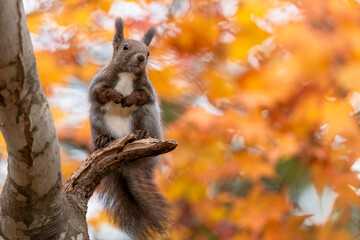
(100, 163)
(25, 120)
(33, 203)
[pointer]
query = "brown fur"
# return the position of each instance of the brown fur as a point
(106, 94)
(138, 97)
(130, 195)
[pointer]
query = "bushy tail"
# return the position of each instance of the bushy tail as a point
(133, 200)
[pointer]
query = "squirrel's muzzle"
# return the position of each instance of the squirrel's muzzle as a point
(140, 57)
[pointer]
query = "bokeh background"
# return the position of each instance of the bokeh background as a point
(263, 97)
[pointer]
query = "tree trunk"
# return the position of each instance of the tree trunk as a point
(33, 204)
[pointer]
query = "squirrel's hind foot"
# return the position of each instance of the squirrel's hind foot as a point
(140, 134)
(102, 141)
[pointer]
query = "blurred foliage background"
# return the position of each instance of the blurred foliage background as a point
(263, 97)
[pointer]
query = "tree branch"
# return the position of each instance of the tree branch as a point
(100, 163)
(25, 117)
(30, 198)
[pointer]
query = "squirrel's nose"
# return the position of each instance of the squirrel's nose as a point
(141, 58)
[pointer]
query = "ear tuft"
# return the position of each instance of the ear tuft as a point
(119, 32)
(148, 36)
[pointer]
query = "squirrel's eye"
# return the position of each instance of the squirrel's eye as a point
(126, 47)
(148, 54)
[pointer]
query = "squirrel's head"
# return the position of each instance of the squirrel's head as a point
(130, 55)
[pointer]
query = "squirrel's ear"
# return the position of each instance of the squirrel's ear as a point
(148, 36)
(119, 32)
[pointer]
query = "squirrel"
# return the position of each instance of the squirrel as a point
(123, 101)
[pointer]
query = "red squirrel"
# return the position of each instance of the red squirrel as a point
(123, 101)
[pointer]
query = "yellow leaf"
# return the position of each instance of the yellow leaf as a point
(221, 84)
(349, 76)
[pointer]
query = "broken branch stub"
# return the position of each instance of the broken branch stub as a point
(103, 161)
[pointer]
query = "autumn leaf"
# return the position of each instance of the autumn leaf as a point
(261, 95)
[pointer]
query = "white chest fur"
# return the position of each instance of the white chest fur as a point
(125, 84)
(117, 118)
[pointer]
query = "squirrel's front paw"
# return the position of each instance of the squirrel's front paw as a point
(140, 134)
(127, 102)
(117, 98)
(102, 141)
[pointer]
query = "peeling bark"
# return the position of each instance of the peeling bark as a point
(28, 128)
(32, 204)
